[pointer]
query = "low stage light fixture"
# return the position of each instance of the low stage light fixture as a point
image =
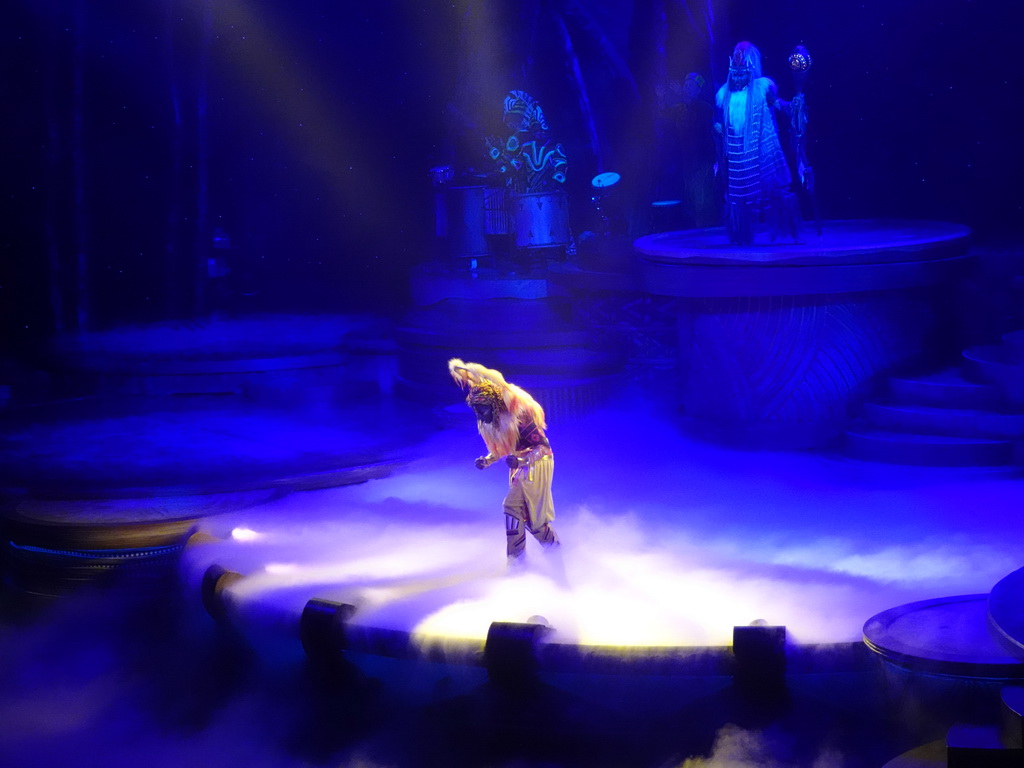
(322, 629)
(511, 652)
(759, 656)
(216, 580)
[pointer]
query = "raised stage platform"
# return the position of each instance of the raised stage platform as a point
(144, 431)
(776, 341)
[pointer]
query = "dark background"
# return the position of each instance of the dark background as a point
(304, 131)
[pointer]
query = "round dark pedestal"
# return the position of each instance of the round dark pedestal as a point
(776, 341)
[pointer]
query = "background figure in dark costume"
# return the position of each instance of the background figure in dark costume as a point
(512, 425)
(757, 179)
(688, 158)
(528, 159)
(796, 110)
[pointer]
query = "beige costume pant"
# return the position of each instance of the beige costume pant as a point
(529, 506)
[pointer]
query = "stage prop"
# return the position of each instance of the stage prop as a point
(961, 660)
(776, 343)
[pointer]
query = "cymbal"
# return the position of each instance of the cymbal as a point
(604, 180)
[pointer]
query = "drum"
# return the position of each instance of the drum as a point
(497, 220)
(460, 220)
(541, 219)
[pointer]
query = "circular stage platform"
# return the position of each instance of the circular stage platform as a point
(1006, 610)
(947, 636)
(858, 243)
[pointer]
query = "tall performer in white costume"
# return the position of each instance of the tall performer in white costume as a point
(512, 425)
(757, 179)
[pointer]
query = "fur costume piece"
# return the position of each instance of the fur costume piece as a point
(513, 406)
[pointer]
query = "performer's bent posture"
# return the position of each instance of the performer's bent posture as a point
(512, 425)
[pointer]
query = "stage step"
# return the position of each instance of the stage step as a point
(953, 422)
(957, 417)
(997, 365)
(944, 389)
(870, 444)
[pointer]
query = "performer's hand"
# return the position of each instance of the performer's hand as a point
(807, 177)
(481, 462)
(512, 461)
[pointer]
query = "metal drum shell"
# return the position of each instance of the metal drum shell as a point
(541, 219)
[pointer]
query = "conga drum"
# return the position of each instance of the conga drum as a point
(461, 221)
(541, 219)
(496, 214)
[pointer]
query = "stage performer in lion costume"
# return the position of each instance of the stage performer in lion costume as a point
(513, 427)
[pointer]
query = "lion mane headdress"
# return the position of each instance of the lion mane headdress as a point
(512, 405)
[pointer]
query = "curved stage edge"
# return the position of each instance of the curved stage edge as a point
(1006, 611)
(946, 636)
(550, 652)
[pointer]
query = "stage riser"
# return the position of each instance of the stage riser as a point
(902, 448)
(561, 398)
(949, 391)
(563, 366)
(308, 356)
(322, 383)
(945, 421)
(776, 337)
(993, 365)
(775, 368)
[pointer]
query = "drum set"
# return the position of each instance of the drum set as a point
(477, 222)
